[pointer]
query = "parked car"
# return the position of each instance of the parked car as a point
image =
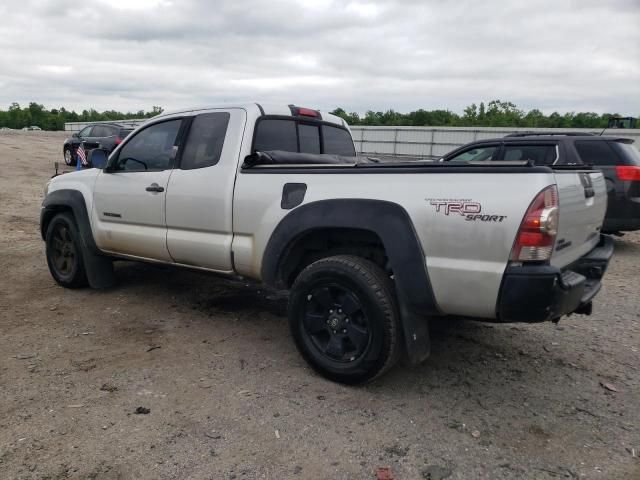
(32, 128)
(103, 135)
(617, 157)
(369, 251)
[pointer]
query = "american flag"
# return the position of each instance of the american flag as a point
(82, 155)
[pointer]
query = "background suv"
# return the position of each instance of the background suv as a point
(104, 135)
(617, 157)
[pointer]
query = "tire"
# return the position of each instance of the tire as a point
(344, 319)
(69, 158)
(64, 252)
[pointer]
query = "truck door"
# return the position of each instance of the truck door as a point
(200, 191)
(129, 196)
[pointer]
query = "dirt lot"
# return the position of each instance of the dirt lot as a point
(230, 398)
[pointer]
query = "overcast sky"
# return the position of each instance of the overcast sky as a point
(581, 55)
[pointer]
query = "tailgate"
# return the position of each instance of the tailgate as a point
(582, 197)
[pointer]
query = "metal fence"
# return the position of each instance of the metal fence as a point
(77, 126)
(434, 142)
(415, 142)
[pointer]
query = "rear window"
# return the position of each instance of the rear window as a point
(628, 152)
(337, 141)
(309, 138)
(275, 134)
(539, 154)
(596, 153)
(294, 136)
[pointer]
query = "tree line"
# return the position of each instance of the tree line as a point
(495, 114)
(54, 119)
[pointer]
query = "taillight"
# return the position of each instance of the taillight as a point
(628, 172)
(304, 112)
(118, 140)
(537, 234)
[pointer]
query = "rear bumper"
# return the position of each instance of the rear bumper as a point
(543, 292)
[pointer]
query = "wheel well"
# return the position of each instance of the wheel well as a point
(48, 214)
(327, 242)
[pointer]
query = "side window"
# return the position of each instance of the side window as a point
(274, 134)
(100, 131)
(205, 141)
(309, 138)
(596, 153)
(477, 154)
(337, 141)
(539, 154)
(85, 132)
(151, 149)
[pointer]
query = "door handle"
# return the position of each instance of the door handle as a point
(154, 187)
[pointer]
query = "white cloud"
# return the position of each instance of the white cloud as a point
(403, 54)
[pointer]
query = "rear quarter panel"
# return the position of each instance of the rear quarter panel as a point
(465, 259)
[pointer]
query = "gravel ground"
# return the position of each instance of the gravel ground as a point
(229, 397)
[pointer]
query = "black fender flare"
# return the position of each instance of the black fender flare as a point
(99, 267)
(394, 227)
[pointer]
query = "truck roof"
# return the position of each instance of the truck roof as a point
(262, 109)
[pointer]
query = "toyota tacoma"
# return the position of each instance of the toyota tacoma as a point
(368, 250)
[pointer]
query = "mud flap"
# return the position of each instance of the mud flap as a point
(416, 336)
(99, 269)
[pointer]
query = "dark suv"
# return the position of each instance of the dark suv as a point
(103, 135)
(618, 159)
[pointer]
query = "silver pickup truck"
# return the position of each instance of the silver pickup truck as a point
(369, 251)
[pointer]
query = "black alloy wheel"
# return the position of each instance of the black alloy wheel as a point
(343, 318)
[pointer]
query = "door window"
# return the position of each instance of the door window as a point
(539, 154)
(477, 154)
(205, 141)
(85, 132)
(101, 131)
(153, 148)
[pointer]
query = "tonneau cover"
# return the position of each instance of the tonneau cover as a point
(280, 157)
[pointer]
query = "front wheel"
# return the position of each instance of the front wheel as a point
(344, 320)
(64, 252)
(68, 157)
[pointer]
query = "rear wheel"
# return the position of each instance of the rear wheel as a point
(343, 318)
(64, 252)
(68, 157)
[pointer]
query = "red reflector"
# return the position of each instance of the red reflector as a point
(118, 140)
(307, 112)
(628, 172)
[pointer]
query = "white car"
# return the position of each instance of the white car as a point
(369, 251)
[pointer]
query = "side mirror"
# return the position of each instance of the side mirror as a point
(98, 158)
(75, 135)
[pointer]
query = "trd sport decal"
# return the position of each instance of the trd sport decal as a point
(467, 208)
